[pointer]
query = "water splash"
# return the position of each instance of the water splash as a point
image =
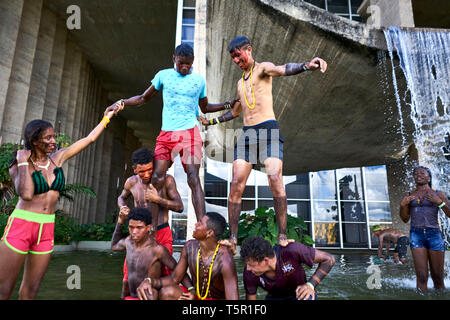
(424, 60)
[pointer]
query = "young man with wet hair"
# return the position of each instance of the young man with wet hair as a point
(385, 237)
(183, 92)
(278, 270)
(145, 257)
(211, 266)
(144, 194)
(261, 142)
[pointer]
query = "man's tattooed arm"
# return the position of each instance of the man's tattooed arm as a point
(295, 68)
(326, 262)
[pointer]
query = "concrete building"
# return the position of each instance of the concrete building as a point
(66, 61)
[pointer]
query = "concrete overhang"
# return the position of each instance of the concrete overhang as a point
(126, 43)
(347, 117)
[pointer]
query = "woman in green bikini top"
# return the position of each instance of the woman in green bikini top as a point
(38, 179)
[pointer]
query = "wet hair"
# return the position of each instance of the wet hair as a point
(256, 248)
(32, 132)
(238, 43)
(184, 50)
(141, 156)
(217, 223)
(140, 214)
(425, 168)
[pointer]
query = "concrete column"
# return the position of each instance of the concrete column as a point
(66, 81)
(55, 75)
(385, 13)
(41, 67)
(19, 81)
(105, 176)
(10, 15)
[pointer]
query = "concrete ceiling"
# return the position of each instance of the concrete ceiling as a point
(127, 43)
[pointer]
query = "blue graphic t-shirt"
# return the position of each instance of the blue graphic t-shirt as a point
(180, 98)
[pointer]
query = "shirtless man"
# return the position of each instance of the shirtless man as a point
(145, 256)
(395, 236)
(260, 142)
(216, 283)
(143, 193)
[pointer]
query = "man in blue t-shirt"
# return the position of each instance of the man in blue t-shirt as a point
(279, 271)
(183, 92)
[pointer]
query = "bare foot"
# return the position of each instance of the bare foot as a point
(283, 240)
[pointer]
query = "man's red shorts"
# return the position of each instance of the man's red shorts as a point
(164, 238)
(187, 143)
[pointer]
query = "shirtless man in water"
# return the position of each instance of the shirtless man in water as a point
(145, 257)
(397, 237)
(261, 142)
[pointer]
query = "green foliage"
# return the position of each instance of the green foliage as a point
(63, 140)
(96, 232)
(65, 227)
(6, 155)
(70, 190)
(3, 222)
(263, 223)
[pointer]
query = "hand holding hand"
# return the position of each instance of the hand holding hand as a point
(115, 108)
(203, 121)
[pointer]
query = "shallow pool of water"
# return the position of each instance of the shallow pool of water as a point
(101, 278)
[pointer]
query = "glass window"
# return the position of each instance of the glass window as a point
(295, 208)
(249, 192)
(187, 33)
(214, 186)
(179, 231)
(189, 3)
(353, 211)
(350, 185)
(299, 189)
(356, 18)
(355, 235)
(323, 185)
(248, 205)
(376, 183)
(326, 234)
(379, 211)
(355, 5)
(324, 210)
(188, 16)
(217, 205)
(338, 6)
(317, 3)
(181, 215)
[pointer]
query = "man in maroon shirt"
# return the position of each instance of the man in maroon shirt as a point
(279, 271)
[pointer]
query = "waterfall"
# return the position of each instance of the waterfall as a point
(425, 61)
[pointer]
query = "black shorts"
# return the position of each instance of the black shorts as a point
(402, 246)
(259, 142)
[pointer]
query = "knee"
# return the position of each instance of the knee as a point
(168, 293)
(158, 180)
(6, 292)
(28, 292)
(276, 185)
(193, 179)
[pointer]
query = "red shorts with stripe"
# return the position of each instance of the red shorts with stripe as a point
(187, 143)
(164, 238)
(30, 232)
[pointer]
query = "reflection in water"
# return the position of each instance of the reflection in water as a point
(101, 278)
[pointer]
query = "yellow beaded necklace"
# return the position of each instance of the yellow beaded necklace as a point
(209, 276)
(253, 91)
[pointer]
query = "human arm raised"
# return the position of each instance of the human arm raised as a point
(206, 107)
(66, 153)
(230, 115)
(290, 69)
(19, 173)
(133, 101)
(117, 241)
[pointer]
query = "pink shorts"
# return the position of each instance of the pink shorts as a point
(164, 238)
(187, 143)
(30, 232)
